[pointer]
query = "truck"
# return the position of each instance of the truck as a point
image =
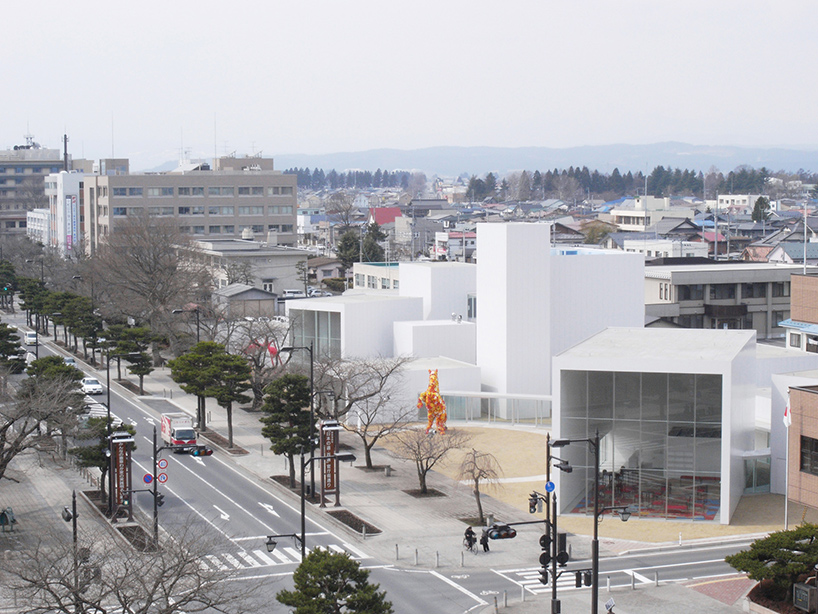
(178, 432)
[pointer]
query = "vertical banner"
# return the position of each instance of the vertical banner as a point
(329, 467)
(121, 444)
(75, 216)
(70, 201)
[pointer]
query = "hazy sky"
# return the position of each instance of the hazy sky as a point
(319, 76)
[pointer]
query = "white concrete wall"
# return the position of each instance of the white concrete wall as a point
(457, 340)
(591, 291)
(366, 326)
(444, 286)
(513, 287)
(452, 375)
(738, 426)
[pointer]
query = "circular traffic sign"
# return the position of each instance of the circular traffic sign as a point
(162, 477)
(162, 463)
(549, 487)
(148, 478)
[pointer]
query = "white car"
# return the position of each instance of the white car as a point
(31, 338)
(90, 385)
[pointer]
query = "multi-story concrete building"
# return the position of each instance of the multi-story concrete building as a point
(22, 171)
(802, 325)
(241, 198)
(734, 295)
(65, 222)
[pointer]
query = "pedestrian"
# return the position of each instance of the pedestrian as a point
(484, 540)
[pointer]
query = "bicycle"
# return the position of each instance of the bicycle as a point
(470, 544)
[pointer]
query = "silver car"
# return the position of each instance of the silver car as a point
(90, 385)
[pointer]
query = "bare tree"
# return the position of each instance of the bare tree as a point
(427, 450)
(342, 205)
(377, 417)
(143, 274)
(354, 381)
(477, 467)
(260, 341)
(42, 402)
(566, 187)
(239, 272)
(108, 575)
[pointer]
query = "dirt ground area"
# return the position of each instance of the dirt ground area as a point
(520, 452)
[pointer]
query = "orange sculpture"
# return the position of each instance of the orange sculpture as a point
(435, 406)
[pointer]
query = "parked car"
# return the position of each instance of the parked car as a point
(91, 385)
(294, 294)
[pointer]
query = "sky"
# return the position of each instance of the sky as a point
(145, 80)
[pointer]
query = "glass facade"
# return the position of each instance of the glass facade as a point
(660, 442)
(323, 328)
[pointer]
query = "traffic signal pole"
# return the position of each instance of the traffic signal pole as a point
(155, 494)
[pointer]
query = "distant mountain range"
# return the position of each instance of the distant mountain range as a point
(453, 161)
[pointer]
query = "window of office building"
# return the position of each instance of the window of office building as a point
(216, 191)
(781, 288)
(159, 211)
(809, 455)
(359, 280)
(229, 229)
(722, 291)
(119, 211)
(228, 210)
(371, 281)
(280, 191)
(160, 192)
(280, 209)
(120, 191)
(254, 210)
(660, 442)
(215, 230)
(693, 292)
(257, 228)
(268, 285)
(192, 191)
(384, 283)
(779, 316)
(757, 290)
(134, 191)
(197, 230)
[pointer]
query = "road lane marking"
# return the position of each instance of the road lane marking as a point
(637, 576)
(263, 556)
(462, 589)
(292, 552)
(269, 508)
(356, 553)
(224, 515)
(250, 560)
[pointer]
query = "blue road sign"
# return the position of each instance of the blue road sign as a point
(148, 478)
(549, 487)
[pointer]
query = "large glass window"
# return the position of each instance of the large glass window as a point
(660, 442)
(722, 291)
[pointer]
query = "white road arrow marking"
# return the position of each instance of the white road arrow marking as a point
(269, 508)
(224, 515)
(199, 460)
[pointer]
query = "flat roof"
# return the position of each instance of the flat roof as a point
(660, 344)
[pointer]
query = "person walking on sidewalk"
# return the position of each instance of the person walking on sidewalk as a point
(484, 541)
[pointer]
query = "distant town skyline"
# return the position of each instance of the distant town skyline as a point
(148, 81)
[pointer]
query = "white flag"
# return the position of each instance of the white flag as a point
(787, 414)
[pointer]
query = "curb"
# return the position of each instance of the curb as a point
(693, 543)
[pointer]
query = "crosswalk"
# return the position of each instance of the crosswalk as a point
(286, 555)
(530, 580)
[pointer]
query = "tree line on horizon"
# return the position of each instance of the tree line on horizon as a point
(571, 184)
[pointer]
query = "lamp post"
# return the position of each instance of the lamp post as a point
(195, 309)
(71, 516)
(308, 348)
(624, 514)
(304, 462)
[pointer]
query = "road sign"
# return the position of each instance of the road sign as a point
(162, 463)
(162, 477)
(549, 487)
(148, 478)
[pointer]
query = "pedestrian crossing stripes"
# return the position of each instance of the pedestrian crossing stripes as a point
(530, 580)
(254, 559)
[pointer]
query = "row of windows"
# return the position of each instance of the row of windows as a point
(201, 209)
(695, 292)
(36, 170)
(231, 229)
(168, 192)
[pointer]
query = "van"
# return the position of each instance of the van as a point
(31, 338)
(294, 294)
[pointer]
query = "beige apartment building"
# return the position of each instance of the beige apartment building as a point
(240, 198)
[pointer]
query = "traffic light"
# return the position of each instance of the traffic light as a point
(534, 503)
(160, 499)
(545, 544)
(202, 451)
(587, 577)
(544, 575)
(562, 549)
(578, 579)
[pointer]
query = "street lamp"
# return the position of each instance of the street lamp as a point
(195, 309)
(624, 513)
(308, 348)
(348, 456)
(71, 516)
(271, 542)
